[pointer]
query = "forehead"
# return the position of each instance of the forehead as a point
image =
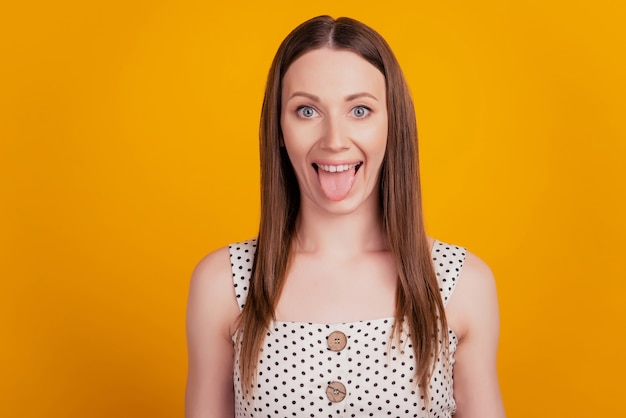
(333, 71)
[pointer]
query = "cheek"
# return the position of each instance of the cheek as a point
(382, 134)
(373, 137)
(297, 139)
(293, 147)
(296, 151)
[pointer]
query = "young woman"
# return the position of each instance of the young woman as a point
(342, 306)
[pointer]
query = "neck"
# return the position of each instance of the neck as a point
(340, 235)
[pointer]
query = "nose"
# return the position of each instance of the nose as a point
(334, 137)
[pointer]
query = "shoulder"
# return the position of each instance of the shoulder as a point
(211, 292)
(472, 314)
(211, 318)
(217, 261)
(477, 273)
(474, 304)
(219, 267)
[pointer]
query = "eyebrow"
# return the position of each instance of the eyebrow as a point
(317, 99)
(359, 95)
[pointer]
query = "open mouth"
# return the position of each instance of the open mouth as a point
(337, 168)
(336, 180)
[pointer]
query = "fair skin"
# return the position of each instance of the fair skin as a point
(334, 113)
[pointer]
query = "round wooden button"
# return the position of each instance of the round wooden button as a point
(337, 341)
(336, 392)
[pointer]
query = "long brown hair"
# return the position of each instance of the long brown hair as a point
(418, 301)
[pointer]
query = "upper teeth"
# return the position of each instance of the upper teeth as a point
(336, 168)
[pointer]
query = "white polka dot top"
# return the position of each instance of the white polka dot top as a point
(349, 369)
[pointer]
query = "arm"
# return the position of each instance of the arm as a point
(211, 313)
(473, 315)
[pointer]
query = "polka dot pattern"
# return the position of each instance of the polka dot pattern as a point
(302, 373)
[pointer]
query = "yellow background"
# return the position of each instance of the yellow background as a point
(129, 150)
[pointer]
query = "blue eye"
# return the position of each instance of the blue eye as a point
(361, 111)
(306, 112)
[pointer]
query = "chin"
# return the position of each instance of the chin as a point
(349, 205)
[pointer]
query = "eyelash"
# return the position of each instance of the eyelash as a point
(367, 111)
(301, 108)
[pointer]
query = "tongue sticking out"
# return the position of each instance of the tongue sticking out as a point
(336, 186)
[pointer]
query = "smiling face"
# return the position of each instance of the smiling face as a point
(334, 125)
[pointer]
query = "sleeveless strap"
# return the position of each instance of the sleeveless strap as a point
(241, 259)
(448, 261)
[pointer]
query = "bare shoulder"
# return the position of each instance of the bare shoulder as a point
(472, 313)
(474, 301)
(476, 274)
(211, 292)
(214, 264)
(211, 313)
